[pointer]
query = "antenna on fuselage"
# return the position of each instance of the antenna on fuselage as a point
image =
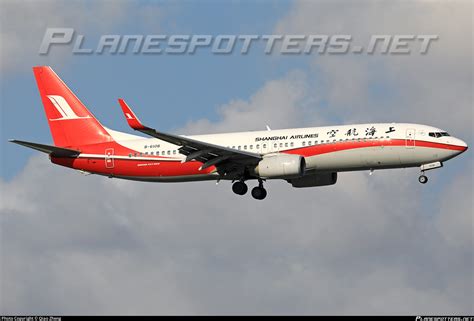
(268, 128)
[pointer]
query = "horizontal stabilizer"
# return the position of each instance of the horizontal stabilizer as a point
(52, 150)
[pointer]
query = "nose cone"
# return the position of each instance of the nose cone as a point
(460, 144)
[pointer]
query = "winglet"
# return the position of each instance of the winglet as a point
(130, 116)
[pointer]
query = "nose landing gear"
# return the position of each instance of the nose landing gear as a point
(423, 179)
(426, 167)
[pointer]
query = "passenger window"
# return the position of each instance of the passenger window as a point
(162, 152)
(258, 146)
(264, 145)
(292, 144)
(245, 147)
(286, 144)
(303, 144)
(239, 147)
(251, 146)
(146, 153)
(275, 145)
(174, 152)
(281, 145)
(129, 155)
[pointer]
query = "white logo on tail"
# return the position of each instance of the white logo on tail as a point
(63, 108)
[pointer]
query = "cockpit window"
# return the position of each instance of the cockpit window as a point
(438, 134)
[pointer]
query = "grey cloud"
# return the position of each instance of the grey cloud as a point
(96, 245)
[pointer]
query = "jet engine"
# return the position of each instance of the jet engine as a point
(321, 179)
(281, 166)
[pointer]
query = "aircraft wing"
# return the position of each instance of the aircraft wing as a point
(207, 153)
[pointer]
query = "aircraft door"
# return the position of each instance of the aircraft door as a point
(410, 138)
(109, 158)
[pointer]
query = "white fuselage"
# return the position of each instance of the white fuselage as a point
(329, 148)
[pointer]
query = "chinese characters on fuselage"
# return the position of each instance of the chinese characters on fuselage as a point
(332, 133)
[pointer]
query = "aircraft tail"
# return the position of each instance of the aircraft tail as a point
(70, 122)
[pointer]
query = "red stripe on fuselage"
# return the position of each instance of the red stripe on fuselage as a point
(353, 144)
(139, 167)
(134, 167)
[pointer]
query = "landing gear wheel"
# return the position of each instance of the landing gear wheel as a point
(423, 179)
(239, 188)
(259, 193)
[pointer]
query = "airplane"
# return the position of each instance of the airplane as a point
(304, 157)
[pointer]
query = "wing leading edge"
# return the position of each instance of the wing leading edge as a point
(209, 154)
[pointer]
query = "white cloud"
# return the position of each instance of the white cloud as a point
(435, 88)
(280, 103)
(23, 24)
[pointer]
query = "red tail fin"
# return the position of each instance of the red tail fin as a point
(70, 122)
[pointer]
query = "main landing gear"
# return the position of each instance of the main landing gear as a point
(240, 188)
(258, 192)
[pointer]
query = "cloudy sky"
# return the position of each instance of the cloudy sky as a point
(380, 244)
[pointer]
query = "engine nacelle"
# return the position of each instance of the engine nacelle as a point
(281, 166)
(314, 180)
